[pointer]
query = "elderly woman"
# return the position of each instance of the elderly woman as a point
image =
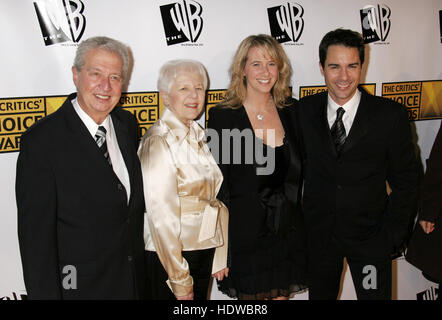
(185, 225)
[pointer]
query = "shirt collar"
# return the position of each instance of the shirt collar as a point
(350, 105)
(90, 124)
(179, 129)
(354, 101)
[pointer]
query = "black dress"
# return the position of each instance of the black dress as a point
(266, 236)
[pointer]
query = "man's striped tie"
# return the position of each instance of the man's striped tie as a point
(100, 138)
(338, 130)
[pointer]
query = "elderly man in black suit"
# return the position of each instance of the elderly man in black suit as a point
(79, 188)
(354, 143)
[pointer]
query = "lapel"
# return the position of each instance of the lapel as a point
(320, 124)
(358, 129)
(291, 138)
(125, 144)
(242, 120)
(360, 124)
(78, 131)
(86, 144)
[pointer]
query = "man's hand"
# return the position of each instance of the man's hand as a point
(427, 226)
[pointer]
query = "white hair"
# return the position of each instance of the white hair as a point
(105, 43)
(172, 68)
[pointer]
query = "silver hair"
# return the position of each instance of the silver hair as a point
(170, 70)
(105, 43)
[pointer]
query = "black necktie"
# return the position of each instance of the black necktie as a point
(338, 130)
(100, 138)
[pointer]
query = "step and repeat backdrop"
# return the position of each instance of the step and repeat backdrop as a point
(39, 39)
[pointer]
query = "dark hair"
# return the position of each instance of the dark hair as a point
(344, 37)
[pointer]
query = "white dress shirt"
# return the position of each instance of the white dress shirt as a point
(350, 111)
(118, 164)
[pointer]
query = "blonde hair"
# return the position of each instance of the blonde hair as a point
(237, 91)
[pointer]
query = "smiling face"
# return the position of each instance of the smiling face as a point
(186, 96)
(99, 83)
(261, 71)
(342, 72)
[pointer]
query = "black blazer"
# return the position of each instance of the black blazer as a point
(425, 250)
(240, 191)
(73, 211)
(345, 195)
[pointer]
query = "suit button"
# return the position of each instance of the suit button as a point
(120, 187)
(339, 187)
(129, 258)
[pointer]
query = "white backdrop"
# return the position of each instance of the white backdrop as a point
(409, 50)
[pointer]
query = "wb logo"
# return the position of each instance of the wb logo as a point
(430, 294)
(286, 23)
(60, 20)
(375, 23)
(182, 21)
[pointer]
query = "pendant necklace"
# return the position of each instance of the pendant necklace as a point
(260, 115)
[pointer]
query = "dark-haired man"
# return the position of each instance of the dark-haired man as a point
(353, 144)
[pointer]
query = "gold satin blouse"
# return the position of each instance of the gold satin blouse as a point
(181, 181)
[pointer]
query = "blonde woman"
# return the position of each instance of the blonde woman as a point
(266, 241)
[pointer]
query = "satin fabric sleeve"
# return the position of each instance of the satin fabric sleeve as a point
(163, 211)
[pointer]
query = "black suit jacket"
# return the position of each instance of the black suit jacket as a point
(345, 195)
(240, 191)
(73, 211)
(425, 250)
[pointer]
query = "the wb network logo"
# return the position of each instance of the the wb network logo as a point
(60, 20)
(182, 21)
(286, 23)
(430, 294)
(375, 23)
(16, 296)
